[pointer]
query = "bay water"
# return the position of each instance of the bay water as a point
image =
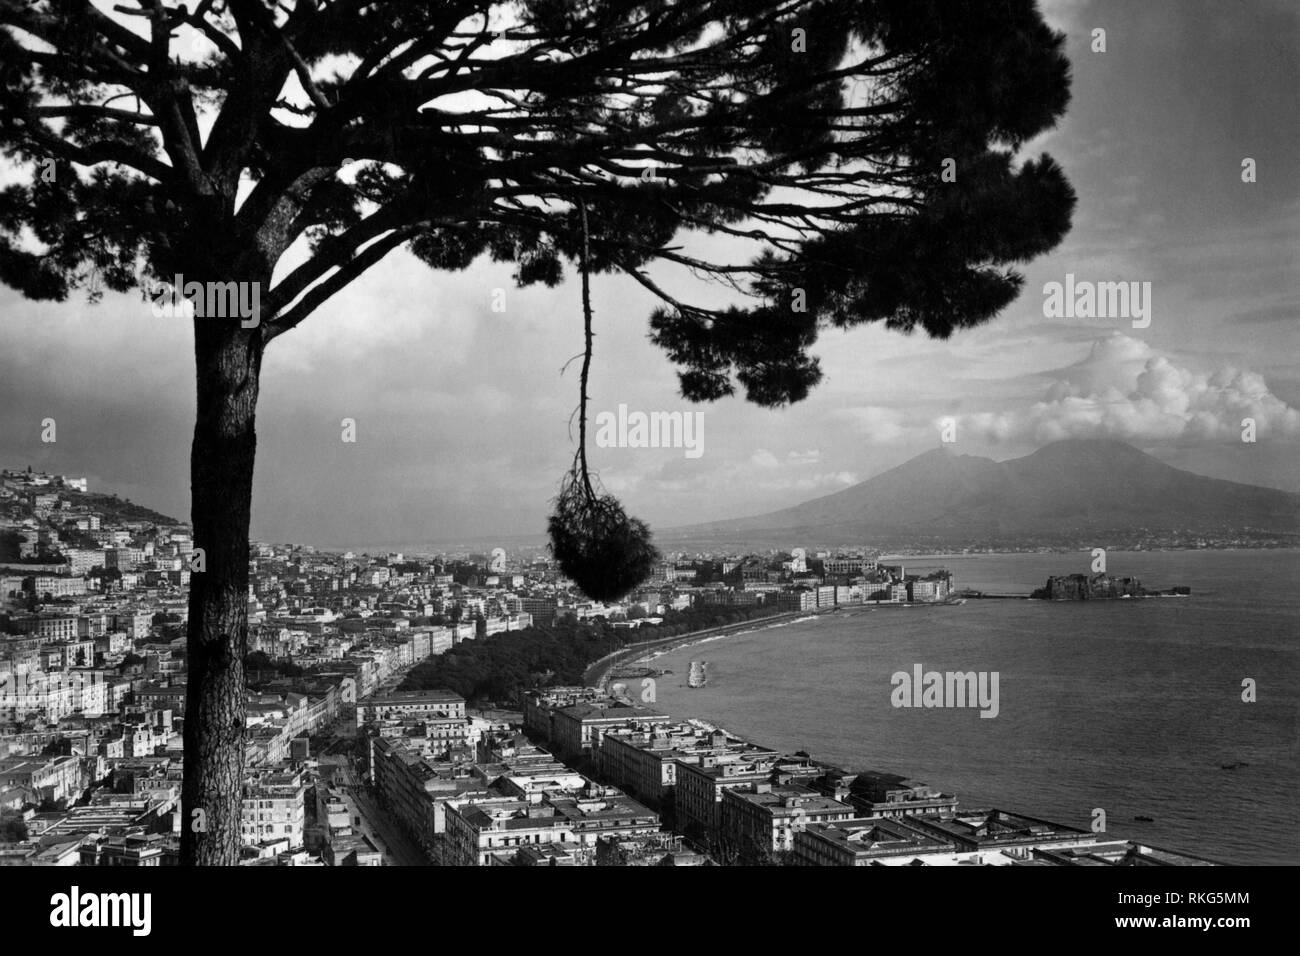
(1133, 707)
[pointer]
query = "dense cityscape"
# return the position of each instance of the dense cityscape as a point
(681, 433)
(357, 755)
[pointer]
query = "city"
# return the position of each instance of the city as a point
(347, 764)
(640, 433)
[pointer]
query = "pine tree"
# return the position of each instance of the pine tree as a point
(860, 154)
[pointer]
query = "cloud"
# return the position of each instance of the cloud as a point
(766, 471)
(770, 480)
(878, 424)
(765, 459)
(1124, 389)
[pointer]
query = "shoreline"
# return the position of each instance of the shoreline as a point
(597, 673)
(642, 655)
(1232, 848)
(652, 650)
(1125, 831)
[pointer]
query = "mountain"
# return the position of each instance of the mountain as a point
(1060, 492)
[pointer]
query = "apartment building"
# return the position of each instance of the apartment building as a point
(490, 831)
(58, 627)
(864, 842)
(539, 707)
(132, 849)
(274, 808)
(411, 704)
(643, 760)
(576, 730)
(761, 819)
(700, 786)
(1010, 834)
(801, 599)
(32, 694)
(877, 794)
(848, 565)
(81, 560)
(43, 778)
(415, 789)
(54, 585)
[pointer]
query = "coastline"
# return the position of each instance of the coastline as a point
(642, 655)
(598, 673)
(1050, 790)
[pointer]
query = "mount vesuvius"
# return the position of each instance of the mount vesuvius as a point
(1065, 492)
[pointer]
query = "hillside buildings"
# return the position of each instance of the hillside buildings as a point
(345, 768)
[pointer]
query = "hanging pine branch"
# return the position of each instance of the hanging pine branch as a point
(606, 552)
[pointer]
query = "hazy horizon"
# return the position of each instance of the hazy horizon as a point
(538, 539)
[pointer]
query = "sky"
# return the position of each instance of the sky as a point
(462, 413)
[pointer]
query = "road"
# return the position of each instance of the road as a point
(391, 682)
(598, 671)
(396, 848)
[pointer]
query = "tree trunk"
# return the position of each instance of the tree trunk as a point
(228, 360)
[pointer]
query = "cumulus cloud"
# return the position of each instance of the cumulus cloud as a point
(769, 476)
(1124, 389)
(809, 457)
(877, 424)
(767, 471)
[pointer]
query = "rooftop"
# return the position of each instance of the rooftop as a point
(435, 695)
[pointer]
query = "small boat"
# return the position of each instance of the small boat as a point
(1233, 766)
(1145, 819)
(699, 675)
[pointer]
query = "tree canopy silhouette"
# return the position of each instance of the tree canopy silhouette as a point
(854, 161)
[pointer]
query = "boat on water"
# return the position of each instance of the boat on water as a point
(699, 675)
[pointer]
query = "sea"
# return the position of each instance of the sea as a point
(1134, 708)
